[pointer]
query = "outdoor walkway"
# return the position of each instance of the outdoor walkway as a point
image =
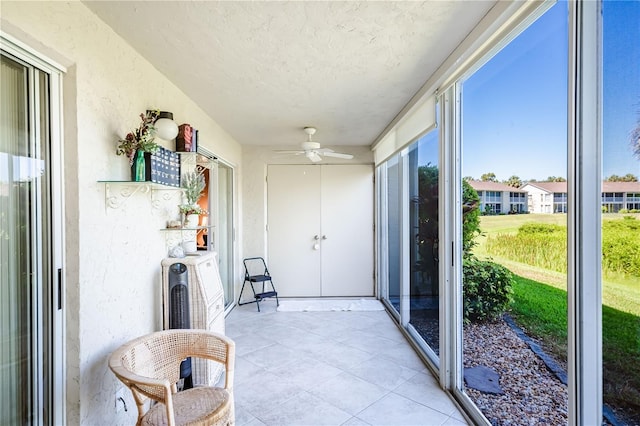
(330, 368)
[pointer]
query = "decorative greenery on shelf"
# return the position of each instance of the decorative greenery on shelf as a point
(141, 139)
(188, 209)
(193, 185)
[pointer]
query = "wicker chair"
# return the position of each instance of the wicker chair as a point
(150, 367)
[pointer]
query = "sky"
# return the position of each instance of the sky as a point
(515, 106)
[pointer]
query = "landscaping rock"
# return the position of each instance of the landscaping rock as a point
(483, 379)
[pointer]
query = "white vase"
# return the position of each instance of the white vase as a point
(191, 221)
(189, 246)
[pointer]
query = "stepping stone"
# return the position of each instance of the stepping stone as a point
(483, 379)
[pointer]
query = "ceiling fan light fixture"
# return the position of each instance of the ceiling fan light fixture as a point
(310, 145)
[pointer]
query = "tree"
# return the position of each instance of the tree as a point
(626, 178)
(514, 181)
(555, 179)
(634, 140)
(489, 177)
(425, 204)
(468, 178)
(470, 217)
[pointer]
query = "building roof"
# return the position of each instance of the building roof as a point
(552, 187)
(621, 187)
(480, 185)
(561, 187)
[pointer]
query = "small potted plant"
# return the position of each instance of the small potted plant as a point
(193, 184)
(137, 142)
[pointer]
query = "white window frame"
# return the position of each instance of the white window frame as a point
(584, 243)
(584, 200)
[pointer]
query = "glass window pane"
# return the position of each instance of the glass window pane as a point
(24, 240)
(621, 208)
(514, 135)
(423, 227)
(394, 194)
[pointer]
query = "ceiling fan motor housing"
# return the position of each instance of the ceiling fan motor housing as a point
(310, 145)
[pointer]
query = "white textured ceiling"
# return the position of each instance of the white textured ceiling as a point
(264, 70)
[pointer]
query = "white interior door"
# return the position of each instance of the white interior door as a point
(347, 230)
(293, 219)
(320, 230)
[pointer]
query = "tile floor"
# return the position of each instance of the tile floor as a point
(330, 368)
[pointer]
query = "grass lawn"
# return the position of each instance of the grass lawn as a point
(618, 292)
(541, 310)
(540, 307)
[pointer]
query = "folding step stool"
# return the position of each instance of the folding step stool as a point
(252, 268)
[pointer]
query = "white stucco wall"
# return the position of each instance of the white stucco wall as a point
(113, 257)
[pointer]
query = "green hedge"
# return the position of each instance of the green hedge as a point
(621, 246)
(545, 246)
(487, 289)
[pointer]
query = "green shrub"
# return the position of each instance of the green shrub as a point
(470, 217)
(487, 289)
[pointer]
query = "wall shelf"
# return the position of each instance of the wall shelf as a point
(177, 236)
(117, 192)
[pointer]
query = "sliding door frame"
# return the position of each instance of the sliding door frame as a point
(50, 404)
(584, 230)
(584, 140)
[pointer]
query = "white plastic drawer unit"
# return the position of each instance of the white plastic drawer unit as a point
(205, 303)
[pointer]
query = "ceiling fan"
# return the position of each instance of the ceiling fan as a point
(312, 149)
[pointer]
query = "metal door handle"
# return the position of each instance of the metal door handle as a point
(316, 237)
(324, 237)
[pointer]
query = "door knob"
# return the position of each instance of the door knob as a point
(324, 237)
(316, 237)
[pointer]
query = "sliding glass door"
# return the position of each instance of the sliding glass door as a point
(621, 219)
(424, 282)
(224, 235)
(30, 282)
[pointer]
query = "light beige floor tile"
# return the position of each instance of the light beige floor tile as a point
(396, 410)
(244, 418)
(451, 421)
(308, 373)
(245, 371)
(304, 409)
(264, 393)
(404, 355)
(349, 393)
(249, 342)
(354, 421)
(370, 343)
(272, 357)
(382, 372)
(337, 358)
(338, 355)
(424, 389)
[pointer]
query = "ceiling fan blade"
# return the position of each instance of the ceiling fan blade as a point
(338, 155)
(297, 152)
(313, 156)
